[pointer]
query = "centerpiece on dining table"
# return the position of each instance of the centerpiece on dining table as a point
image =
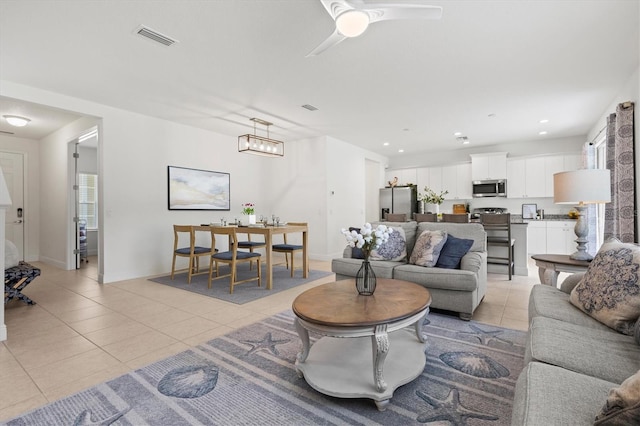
(249, 210)
(367, 239)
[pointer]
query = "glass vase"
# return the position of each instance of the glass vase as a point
(365, 279)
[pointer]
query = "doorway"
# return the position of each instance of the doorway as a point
(12, 166)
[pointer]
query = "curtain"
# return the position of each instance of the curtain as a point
(620, 218)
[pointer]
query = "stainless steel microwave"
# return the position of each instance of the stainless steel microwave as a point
(489, 188)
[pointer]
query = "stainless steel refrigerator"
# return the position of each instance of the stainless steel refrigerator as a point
(399, 199)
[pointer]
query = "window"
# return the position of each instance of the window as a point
(88, 199)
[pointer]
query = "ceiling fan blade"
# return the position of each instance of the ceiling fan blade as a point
(336, 7)
(331, 41)
(385, 12)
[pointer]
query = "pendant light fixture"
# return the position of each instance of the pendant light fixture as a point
(259, 145)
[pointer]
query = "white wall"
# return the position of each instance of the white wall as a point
(135, 225)
(30, 149)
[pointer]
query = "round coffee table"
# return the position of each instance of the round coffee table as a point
(356, 327)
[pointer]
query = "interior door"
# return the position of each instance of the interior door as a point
(12, 165)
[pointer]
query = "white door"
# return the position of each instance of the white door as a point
(12, 165)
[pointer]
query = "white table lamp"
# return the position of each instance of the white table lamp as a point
(585, 186)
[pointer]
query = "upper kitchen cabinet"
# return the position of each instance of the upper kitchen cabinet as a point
(489, 166)
(532, 177)
(457, 180)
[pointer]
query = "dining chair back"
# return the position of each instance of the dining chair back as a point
(425, 217)
(455, 217)
(498, 227)
(396, 217)
(232, 257)
(289, 249)
(249, 244)
(191, 250)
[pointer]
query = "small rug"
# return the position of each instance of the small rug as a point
(248, 377)
(245, 292)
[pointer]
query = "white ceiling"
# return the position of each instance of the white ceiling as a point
(410, 83)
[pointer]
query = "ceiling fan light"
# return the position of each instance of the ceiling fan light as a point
(352, 23)
(16, 120)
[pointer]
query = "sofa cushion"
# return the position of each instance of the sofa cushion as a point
(452, 252)
(549, 302)
(394, 249)
(448, 279)
(604, 353)
(610, 289)
(549, 395)
(409, 229)
(348, 267)
(427, 249)
(623, 404)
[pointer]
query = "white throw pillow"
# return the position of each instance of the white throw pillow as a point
(11, 257)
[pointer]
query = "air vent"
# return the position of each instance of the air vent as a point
(463, 139)
(6, 133)
(309, 107)
(155, 36)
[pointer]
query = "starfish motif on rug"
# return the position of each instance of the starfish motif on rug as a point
(86, 419)
(267, 343)
(485, 337)
(449, 409)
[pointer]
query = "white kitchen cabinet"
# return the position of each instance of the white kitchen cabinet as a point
(561, 237)
(525, 177)
(537, 237)
(489, 166)
(557, 164)
(435, 179)
(422, 178)
(405, 176)
(457, 180)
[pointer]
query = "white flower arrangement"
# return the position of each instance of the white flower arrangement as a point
(431, 197)
(368, 238)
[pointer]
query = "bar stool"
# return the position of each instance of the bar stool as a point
(498, 227)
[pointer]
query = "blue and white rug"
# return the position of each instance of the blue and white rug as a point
(248, 377)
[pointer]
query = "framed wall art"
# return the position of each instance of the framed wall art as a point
(193, 189)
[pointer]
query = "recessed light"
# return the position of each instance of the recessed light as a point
(386, 144)
(401, 150)
(492, 115)
(457, 134)
(544, 132)
(544, 120)
(16, 120)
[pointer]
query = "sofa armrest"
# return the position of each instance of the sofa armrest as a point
(472, 261)
(570, 282)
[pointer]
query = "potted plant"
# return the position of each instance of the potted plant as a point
(249, 210)
(432, 200)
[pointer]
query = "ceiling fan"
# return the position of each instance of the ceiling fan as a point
(352, 17)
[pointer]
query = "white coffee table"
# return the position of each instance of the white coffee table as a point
(371, 345)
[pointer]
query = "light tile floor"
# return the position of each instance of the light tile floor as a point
(81, 333)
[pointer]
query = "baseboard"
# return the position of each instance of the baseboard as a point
(3, 332)
(53, 262)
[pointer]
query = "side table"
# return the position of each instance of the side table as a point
(550, 266)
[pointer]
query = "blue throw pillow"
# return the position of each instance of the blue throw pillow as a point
(452, 252)
(356, 253)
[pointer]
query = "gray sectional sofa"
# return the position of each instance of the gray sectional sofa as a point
(459, 290)
(573, 361)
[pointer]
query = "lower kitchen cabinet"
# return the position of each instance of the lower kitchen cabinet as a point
(551, 237)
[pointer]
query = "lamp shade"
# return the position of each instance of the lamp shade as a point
(585, 186)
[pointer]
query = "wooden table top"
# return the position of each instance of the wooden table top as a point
(338, 304)
(562, 259)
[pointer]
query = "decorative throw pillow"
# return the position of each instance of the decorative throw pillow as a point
(395, 248)
(356, 253)
(452, 252)
(610, 289)
(623, 404)
(428, 247)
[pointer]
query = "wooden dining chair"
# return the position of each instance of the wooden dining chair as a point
(455, 217)
(250, 245)
(191, 250)
(232, 257)
(396, 217)
(425, 217)
(289, 249)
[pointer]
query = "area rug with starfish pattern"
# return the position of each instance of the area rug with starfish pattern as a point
(248, 377)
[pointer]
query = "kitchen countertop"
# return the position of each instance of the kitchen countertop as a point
(517, 219)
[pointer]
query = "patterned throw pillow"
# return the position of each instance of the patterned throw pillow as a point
(427, 248)
(610, 289)
(623, 404)
(394, 249)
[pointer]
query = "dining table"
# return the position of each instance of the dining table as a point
(268, 232)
